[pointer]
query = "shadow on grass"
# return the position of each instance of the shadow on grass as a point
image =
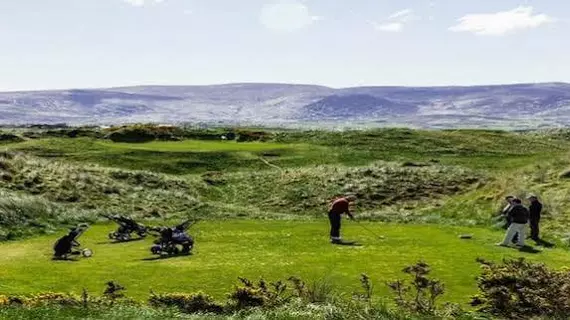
(118, 242)
(529, 249)
(544, 243)
(65, 259)
(166, 257)
(348, 243)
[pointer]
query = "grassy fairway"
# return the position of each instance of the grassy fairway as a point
(271, 249)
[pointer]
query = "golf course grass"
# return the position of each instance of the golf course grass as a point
(226, 250)
(261, 207)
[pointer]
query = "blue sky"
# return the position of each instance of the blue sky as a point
(47, 44)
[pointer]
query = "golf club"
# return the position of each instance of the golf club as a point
(370, 231)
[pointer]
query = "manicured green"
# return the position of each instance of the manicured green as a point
(274, 250)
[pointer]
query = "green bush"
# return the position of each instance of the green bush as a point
(421, 295)
(262, 294)
(10, 138)
(318, 291)
(250, 136)
(131, 135)
(518, 289)
(188, 303)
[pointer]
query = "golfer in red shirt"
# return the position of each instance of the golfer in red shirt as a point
(338, 207)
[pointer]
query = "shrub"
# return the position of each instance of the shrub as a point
(52, 298)
(521, 289)
(8, 137)
(250, 295)
(421, 295)
(249, 136)
(188, 303)
(318, 291)
(132, 135)
(367, 289)
(114, 291)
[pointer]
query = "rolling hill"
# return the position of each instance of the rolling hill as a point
(520, 106)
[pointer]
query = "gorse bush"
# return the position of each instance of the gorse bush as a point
(317, 291)
(420, 296)
(518, 289)
(188, 303)
(262, 294)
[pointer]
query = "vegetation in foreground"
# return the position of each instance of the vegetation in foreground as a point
(513, 289)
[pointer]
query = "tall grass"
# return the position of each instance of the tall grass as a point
(25, 215)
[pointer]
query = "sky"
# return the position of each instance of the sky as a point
(60, 44)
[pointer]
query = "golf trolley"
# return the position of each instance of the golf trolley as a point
(127, 227)
(68, 244)
(173, 241)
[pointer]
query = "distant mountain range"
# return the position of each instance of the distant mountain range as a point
(520, 106)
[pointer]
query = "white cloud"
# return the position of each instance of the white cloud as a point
(287, 15)
(403, 14)
(501, 23)
(388, 27)
(141, 3)
(395, 22)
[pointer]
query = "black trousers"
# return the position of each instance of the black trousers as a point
(334, 219)
(534, 228)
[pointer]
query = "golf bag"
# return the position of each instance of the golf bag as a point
(68, 244)
(173, 241)
(127, 227)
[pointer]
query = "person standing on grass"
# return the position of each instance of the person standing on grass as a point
(518, 216)
(505, 215)
(535, 209)
(338, 207)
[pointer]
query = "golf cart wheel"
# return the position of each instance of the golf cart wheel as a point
(155, 249)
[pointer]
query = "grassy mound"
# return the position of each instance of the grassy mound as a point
(379, 187)
(22, 216)
(302, 192)
(143, 194)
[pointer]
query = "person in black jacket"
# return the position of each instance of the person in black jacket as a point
(518, 215)
(535, 209)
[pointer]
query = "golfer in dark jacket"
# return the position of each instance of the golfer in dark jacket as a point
(338, 207)
(535, 209)
(518, 216)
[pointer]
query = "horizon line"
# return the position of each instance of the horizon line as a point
(286, 84)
